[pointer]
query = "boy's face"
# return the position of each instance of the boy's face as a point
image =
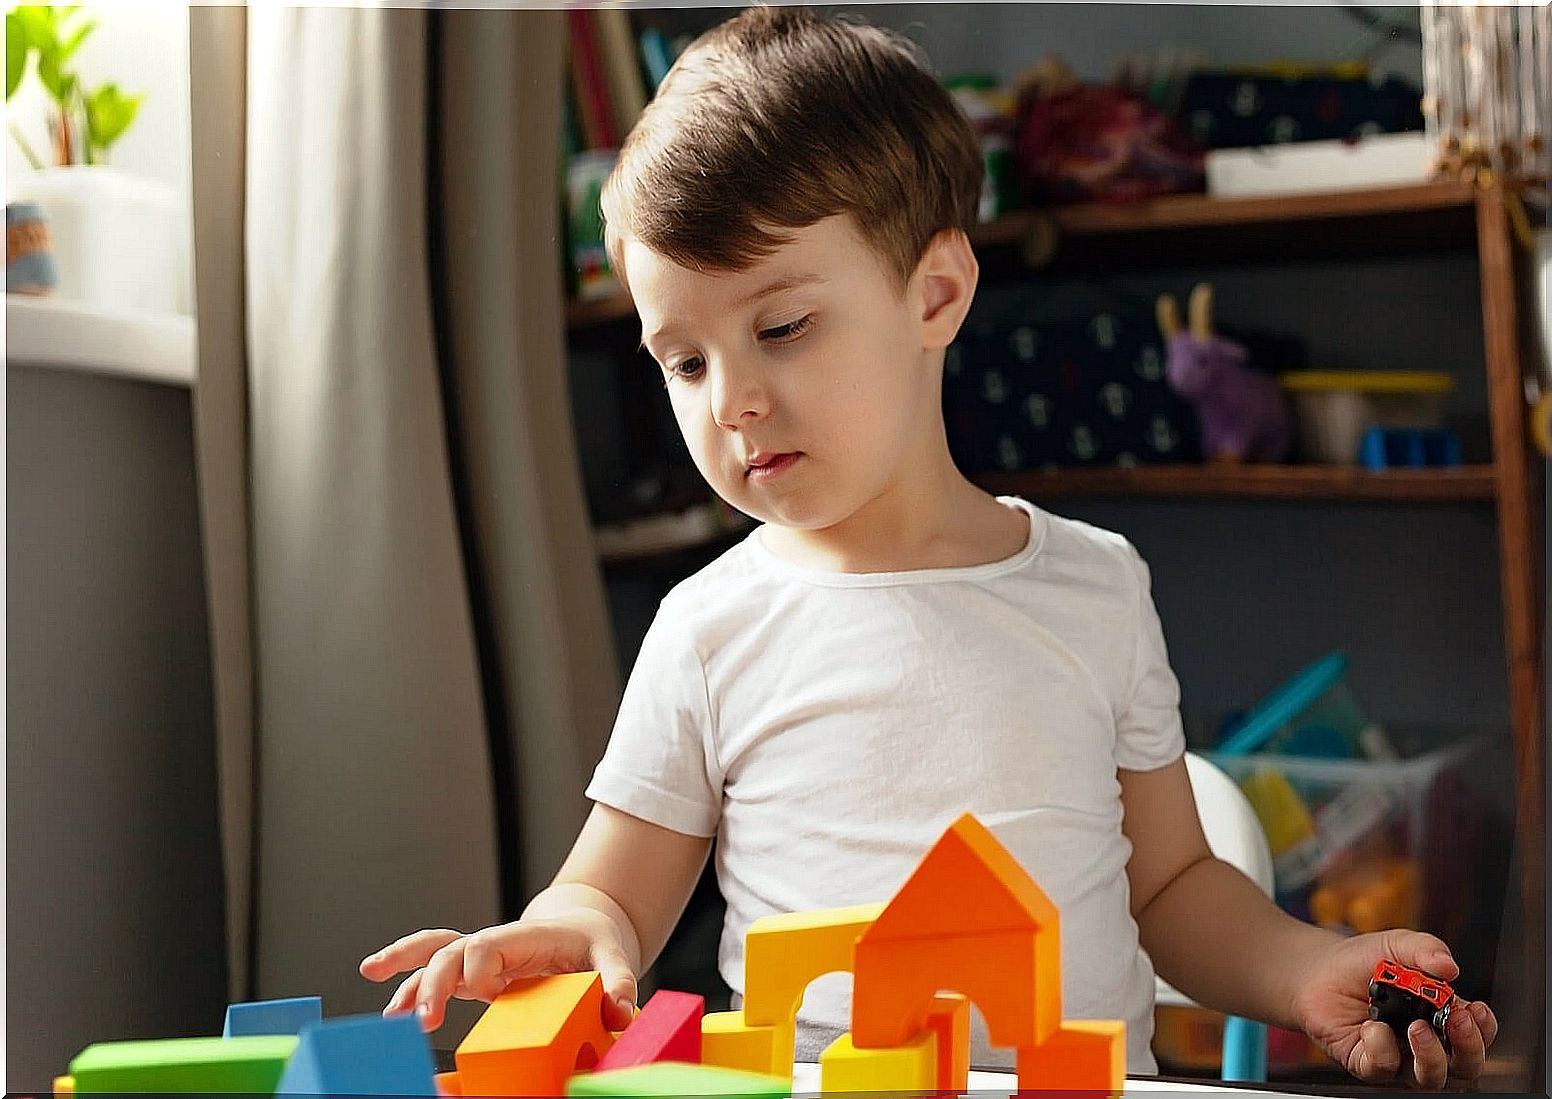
(808, 390)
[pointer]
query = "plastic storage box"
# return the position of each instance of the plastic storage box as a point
(1334, 408)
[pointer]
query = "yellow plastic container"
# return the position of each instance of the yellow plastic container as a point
(1335, 407)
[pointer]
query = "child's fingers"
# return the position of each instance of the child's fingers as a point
(410, 952)
(619, 982)
(1486, 1021)
(439, 981)
(403, 998)
(1430, 1064)
(1376, 1057)
(1468, 1050)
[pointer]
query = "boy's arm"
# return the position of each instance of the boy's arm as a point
(1209, 929)
(638, 874)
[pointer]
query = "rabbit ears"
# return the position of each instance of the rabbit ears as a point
(1168, 313)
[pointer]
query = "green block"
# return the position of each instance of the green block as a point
(674, 1078)
(251, 1064)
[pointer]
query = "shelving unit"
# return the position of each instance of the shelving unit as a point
(1410, 220)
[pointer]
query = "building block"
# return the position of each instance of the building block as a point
(448, 1084)
(64, 1085)
(667, 1028)
(670, 1078)
(251, 1063)
(727, 1041)
(786, 951)
(1084, 1055)
(360, 1055)
(912, 1067)
(534, 1036)
(272, 1016)
(1001, 947)
(949, 1019)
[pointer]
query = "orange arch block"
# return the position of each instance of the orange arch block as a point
(969, 919)
(535, 1036)
(1084, 1055)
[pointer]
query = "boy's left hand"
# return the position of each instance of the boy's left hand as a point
(1333, 1009)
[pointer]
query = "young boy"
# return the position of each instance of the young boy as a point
(893, 646)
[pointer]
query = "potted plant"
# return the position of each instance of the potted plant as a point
(116, 237)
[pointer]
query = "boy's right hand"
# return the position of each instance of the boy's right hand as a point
(480, 965)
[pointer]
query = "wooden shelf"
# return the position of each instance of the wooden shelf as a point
(1177, 212)
(1459, 484)
(1183, 229)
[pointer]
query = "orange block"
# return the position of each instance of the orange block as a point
(1084, 1055)
(949, 1019)
(967, 882)
(969, 919)
(535, 1036)
(784, 952)
(1013, 977)
(448, 1084)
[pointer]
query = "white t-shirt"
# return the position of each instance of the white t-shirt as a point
(827, 727)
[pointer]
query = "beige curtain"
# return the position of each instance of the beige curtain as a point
(410, 638)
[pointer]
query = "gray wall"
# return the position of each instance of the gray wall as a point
(114, 915)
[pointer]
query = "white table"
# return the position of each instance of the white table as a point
(805, 1081)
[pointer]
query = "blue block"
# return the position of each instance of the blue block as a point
(272, 1016)
(360, 1055)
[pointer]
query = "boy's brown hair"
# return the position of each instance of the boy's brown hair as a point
(779, 118)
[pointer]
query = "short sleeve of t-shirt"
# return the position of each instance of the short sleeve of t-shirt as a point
(660, 764)
(1148, 730)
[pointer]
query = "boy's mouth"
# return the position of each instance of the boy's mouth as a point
(764, 466)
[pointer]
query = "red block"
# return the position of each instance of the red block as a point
(668, 1028)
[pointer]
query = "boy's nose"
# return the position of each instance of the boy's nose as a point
(737, 395)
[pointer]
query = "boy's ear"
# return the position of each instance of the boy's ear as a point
(947, 276)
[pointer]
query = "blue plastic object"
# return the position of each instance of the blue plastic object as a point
(1408, 447)
(360, 1055)
(272, 1016)
(1284, 704)
(1244, 1050)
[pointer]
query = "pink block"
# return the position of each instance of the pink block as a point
(668, 1028)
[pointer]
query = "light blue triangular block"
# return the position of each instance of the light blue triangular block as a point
(272, 1016)
(360, 1055)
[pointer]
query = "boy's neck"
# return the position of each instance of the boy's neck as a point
(939, 521)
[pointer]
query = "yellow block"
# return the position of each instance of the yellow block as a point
(64, 1085)
(728, 1040)
(786, 951)
(911, 1067)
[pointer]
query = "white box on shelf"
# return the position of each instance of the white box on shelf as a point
(1379, 160)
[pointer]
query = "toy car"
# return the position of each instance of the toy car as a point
(1399, 994)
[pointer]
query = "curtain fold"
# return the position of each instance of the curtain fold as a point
(410, 636)
(499, 285)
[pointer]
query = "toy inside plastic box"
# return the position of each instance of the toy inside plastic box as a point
(1348, 805)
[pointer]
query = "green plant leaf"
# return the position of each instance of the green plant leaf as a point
(109, 112)
(16, 50)
(73, 43)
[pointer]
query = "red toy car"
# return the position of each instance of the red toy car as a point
(1398, 994)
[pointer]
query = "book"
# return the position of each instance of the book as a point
(627, 88)
(655, 56)
(588, 81)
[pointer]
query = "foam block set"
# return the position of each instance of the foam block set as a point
(968, 926)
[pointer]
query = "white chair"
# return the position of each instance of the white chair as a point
(1234, 834)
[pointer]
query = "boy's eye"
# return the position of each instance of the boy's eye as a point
(687, 368)
(788, 331)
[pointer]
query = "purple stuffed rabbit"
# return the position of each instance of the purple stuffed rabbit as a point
(1243, 412)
